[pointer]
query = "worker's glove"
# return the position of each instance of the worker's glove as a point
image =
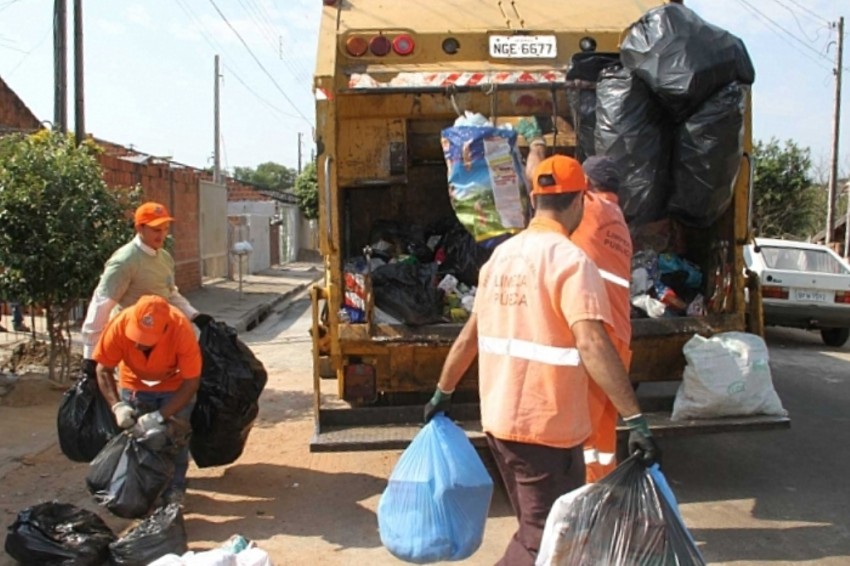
(529, 129)
(150, 423)
(89, 368)
(201, 320)
(441, 402)
(641, 443)
(125, 414)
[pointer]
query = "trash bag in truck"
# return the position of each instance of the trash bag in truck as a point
(582, 75)
(85, 422)
(408, 292)
(632, 129)
(707, 151)
(683, 58)
(458, 253)
(486, 178)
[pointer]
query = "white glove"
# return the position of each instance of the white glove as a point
(149, 423)
(125, 415)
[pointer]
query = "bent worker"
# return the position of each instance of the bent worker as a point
(153, 347)
(604, 236)
(139, 267)
(538, 329)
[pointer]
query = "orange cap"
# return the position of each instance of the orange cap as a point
(148, 320)
(152, 214)
(558, 174)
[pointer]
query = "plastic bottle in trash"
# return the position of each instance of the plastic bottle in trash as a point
(236, 544)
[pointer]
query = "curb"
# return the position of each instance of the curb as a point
(258, 314)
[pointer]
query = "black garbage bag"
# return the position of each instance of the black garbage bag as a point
(163, 532)
(408, 292)
(129, 475)
(582, 76)
(462, 255)
(58, 534)
(707, 157)
(683, 58)
(629, 517)
(232, 380)
(84, 422)
(634, 131)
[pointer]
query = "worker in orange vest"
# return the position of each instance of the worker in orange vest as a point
(604, 236)
(538, 330)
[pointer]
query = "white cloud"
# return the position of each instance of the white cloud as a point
(110, 27)
(138, 14)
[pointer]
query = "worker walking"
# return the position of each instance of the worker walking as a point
(140, 267)
(153, 347)
(604, 236)
(538, 329)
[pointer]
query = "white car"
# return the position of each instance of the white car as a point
(803, 285)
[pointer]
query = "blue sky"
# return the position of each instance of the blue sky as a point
(149, 72)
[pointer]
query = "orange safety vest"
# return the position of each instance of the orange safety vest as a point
(533, 387)
(604, 237)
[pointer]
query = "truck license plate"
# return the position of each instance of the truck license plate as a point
(813, 296)
(523, 47)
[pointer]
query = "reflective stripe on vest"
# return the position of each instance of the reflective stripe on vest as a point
(526, 350)
(615, 279)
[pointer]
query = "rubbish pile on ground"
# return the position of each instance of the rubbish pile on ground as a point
(237, 551)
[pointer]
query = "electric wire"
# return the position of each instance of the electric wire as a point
(810, 12)
(259, 63)
(797, 20)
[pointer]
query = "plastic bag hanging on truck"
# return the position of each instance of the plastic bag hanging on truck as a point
(707, 152)
(632, 129)
(683, 58)
(58, 534)
(84, 422)
(436, 503)
(128, 476)
(629, 517)
(486, 180)
(232, 379)
(159, 534)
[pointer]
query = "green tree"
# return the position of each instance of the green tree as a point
(60, 224)
(786, 202)
(307, 191)
(270, 175)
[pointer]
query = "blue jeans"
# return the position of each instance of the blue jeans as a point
(148, 401)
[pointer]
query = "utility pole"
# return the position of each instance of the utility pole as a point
(299, 152)
(60, 67)
(833, 173)
(217, 130)
(79, 90)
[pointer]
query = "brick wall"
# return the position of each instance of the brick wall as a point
(14, 114)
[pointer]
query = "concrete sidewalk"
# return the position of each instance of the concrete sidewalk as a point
(260, 294)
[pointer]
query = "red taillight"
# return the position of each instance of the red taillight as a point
(774, 292)
(379, 45)
(403, 44)
(356, 46)
(842, 297)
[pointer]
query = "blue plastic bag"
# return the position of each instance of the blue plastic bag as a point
(436, 503)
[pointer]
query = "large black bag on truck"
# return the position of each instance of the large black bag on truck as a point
(84, 422)
(582, 75)
(683, 58)
(58, 534)
(408, 292)
(633, 130)
(707, 155)
(232, 380)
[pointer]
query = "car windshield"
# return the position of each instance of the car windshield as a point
(791, 259)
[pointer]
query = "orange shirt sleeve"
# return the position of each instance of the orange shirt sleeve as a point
(108, 350)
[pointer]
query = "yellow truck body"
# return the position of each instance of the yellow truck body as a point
(379, 156)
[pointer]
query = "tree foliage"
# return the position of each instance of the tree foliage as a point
(307, 191)
(786, 202)
(269, 175)
(60, 224)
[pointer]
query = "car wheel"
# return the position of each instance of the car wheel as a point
(835, 336)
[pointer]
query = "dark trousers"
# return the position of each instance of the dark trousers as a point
(534, 477)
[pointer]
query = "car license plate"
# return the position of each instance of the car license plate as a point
(523, 47)
(813, 296)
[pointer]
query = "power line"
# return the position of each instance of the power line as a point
(260, 98)
(260, 64)
(810, 12)
(758, 13)
(797, 20)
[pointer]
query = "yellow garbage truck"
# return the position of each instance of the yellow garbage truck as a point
(390, 78)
